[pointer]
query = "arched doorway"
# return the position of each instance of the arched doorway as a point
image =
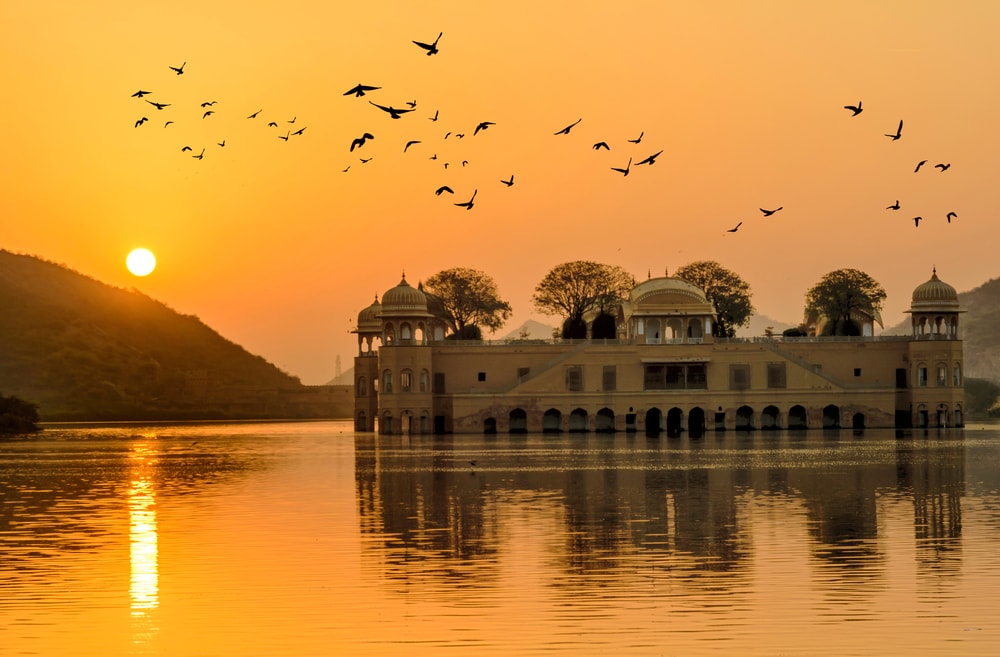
(831, 417)
(361, 424)
(552, 421)
(696, 422)
(797, 417)
(579, 421)
(654, 419)
(858, 421)
(604, 422)
(770, 418)
(675, 421)
(490, 425)
(518, 421)
(744, 419)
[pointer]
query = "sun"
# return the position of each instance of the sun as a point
(141, 262)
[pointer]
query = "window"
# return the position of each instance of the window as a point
(942, 375)
(423, 380)
(921, 376)
(362, 390)
(697, 376)
(438, 382)
(387, 381)
(857, 371)
(675, 377)
(654, 378)
(574, 378)
(776, 375)
(900, 377)
(481, 376)
(406, 381)
(957, 377)
(609, 378)
(522, 373)
(739, 377)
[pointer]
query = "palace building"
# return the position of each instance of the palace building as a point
(664, 372)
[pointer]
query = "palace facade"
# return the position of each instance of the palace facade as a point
(665, 372)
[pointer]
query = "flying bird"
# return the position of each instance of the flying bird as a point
(602, 144)
(482, 126)
(207, 113)
(347, 169)
(899, 131)
(167, 123)
(140, 93)
(285, 136)
(916, 221)
(650, 160)
(199, 155)
(360, 141)
(951, 215)
(893, 207)
(208, 103)
(768, 213)
(292, 120)
(431, 48)
(468, 204)
(141, 121)
(510, 182)
(920, 164)
(365, 161)
(444, 188)
(412, 104)
(624, 171)
(179, 70)
(410, 143)
(359, 90)
(158, 106)
(186, 148)
(435, 117)
(254, 115)
(637, 139)
(300, 131)
(855, 109)
(734, 228)
(565, 131)
(222, 143)
(943, 167)
(272, 124)
(393, 112)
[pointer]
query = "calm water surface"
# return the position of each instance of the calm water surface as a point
(309, 539)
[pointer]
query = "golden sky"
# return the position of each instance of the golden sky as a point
(271, 243)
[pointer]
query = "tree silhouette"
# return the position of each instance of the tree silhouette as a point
(729, 293)
(574, 289)
(842, 297)
(465, 298)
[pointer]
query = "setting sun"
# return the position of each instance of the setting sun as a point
(141, 262)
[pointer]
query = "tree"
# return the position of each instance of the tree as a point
(17, 416)
(729, 293)
(574, 289)
(841, 296)
(467, 298)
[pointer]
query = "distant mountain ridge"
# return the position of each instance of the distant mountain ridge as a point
(83, 350)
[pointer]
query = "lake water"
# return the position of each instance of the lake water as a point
(308, 539)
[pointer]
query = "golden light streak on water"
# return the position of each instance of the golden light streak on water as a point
(143, 551)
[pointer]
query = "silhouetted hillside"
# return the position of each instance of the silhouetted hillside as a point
(83, 350)
(977, 328)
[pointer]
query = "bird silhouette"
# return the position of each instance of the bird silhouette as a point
(444, 188)
(158, 106)
(410, 143)
(207, 113)
(565, 131)
(300, 131)
(431, 48)
(734, 228)
(209, 103)
(199, 155)
(459, 135)
(393, 112)
(893, 207)
(482, 126)
(285, 136)
(624, 171)
(435, 117)
(359, 90)
(364, 160)
(179, 70)
(272, 124)
(916, 221)
(360, 141)
(167, 123)
(254, 115)
(855, 109)
(347, 169)
(768, 213)
(141, 93)
(602, 144)
(292, 120)
(943, 167)
(951, 215)
(222, 143)
(468, 204)
(650, 160)
(510, 182)
(637, 139)
(186, 148)
(141, 121)
(899, 131)
(412, 104)
(464, 162)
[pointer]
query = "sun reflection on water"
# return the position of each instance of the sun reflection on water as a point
(144, 577)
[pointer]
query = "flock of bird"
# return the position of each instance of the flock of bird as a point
(414, 145)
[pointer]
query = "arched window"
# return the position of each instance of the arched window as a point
(388, 335)
(405, 333)
(406, 381)
(362, 389)
(424, 380)
(653, 331)
(387, 381)
(942, 375)
(957, 376)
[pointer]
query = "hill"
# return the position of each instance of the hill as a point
(82, 350)
(977, 328)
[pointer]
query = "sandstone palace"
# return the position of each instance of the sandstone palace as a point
(665, 372)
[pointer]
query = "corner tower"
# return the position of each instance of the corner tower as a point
(369, 329)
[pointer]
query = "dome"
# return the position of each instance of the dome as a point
(669, 296)
(404, 300)
(368, 319)
(934, 295)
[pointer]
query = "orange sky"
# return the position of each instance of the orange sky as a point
(271, 244)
